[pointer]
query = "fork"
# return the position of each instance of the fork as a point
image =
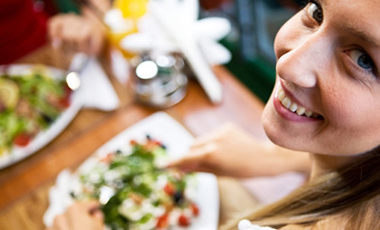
(77, 64)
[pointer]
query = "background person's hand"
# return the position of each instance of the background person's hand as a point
(76, 33)
(80, 216)
(230, 151)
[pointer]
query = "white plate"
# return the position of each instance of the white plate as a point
(44, 137)
(177, 140)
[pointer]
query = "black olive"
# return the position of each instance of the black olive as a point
(47, 119)
(72, 194)
(178, 197)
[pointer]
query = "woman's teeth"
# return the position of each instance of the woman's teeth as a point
(292, 106)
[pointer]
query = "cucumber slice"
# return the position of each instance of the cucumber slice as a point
(9, 93)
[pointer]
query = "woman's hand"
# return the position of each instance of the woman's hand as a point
(232, 152)
(76, 33)
(80, 216)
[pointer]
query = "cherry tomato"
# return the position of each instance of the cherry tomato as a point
(22, 139)
(163, 222)
(183, 221)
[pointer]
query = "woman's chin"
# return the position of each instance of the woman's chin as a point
(274, 131)
(269, 127)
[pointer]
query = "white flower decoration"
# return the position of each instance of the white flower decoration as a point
(182, 16)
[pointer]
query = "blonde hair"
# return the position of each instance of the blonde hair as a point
(352, 192)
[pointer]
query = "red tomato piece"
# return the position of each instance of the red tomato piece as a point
(194, 209)
(158, 143)
(169, 189)
(108, 158)
(183, 221)
(163, 222)
(22, 139)
(65, 100)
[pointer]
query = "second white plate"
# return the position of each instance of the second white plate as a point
(46, 136)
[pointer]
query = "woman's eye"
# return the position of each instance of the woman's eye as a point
(315, 12)
(362, 59)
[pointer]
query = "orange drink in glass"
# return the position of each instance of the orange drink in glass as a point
(124, 21)
(133, 9)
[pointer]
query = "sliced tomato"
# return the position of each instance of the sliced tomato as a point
(158, 143)
(169, 189)
(64, 102)
(183, 221)
(22, 139)
(194, 209)
(163, 222)
(108, 158)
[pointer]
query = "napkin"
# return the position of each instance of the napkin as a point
(59, 197)
(120, 66)
(96, 90)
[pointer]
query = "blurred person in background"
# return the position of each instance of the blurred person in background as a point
(27, 25)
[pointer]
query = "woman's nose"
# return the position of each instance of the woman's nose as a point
(303, 59)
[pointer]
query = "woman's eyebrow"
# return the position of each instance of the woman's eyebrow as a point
(361, 34)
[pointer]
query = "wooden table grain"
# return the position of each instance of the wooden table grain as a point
(24, 186)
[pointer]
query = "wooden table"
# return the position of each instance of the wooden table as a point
(24, 186)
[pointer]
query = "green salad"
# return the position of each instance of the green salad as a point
(28, 104)
(135, 193)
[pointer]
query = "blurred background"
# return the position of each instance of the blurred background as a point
(254, 26)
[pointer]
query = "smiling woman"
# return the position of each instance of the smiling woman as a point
(328, 69)
(326, 102)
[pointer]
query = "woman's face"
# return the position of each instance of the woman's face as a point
(327, 93)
